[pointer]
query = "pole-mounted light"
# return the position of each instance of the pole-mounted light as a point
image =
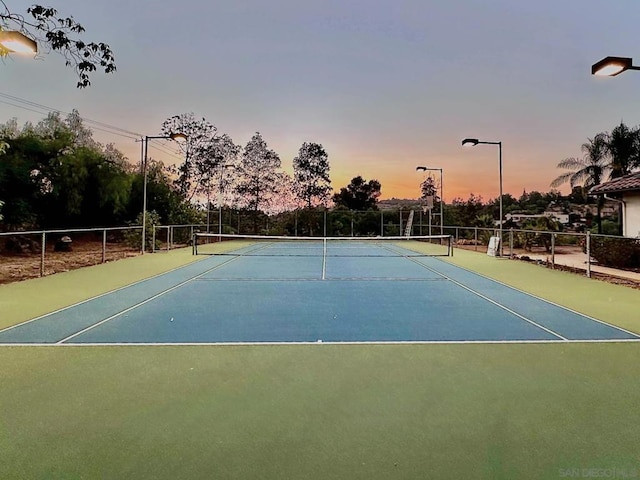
(173, 136)
(473, 142)
(17, 42)
(612, 66)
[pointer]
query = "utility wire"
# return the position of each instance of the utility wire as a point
(95, 124)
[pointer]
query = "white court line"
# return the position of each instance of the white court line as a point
(99, 296)
(91, 327)
(299, 343)
(324, 259)
(484, 297)
(549, 302)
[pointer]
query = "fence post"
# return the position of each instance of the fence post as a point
(588, 254)
(382, 223)
(475, 238)
(42, 250)
(169, 234)
(511, 242)
(553, 250)
(104, 245)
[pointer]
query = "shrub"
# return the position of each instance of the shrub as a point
(133, 238)
(616, 252)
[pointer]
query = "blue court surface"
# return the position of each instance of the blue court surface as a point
(314, 293)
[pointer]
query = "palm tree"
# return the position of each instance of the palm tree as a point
(588, 171)
(623, 147)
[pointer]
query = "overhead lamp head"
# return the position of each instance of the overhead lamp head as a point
(17, 42)
(178, 136)
(612, 66)
(424, 169)
(470, 141)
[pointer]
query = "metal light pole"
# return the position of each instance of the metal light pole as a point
(173, 136)
(441, 196)
(473, 142)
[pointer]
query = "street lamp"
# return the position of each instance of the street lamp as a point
(612, 66)
(173, 136)
(473, 142)
(17, 42)
(424, 169)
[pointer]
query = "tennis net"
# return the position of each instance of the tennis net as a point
(260, 245)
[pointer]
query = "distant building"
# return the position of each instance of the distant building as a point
(520, 218)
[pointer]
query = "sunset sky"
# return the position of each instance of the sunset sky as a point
(383, 85)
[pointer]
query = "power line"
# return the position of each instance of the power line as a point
(101, 126)
(94, 124)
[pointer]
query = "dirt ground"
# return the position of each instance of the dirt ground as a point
(17, 267)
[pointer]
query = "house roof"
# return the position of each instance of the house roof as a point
(626, 183)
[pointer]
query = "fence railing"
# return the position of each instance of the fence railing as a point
(572, 250)
(40, 252)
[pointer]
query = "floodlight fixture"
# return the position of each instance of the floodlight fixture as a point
(612, 66)
(172, 136)
(473, 142)
(17, 42)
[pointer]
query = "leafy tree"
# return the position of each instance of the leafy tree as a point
(588, 171)
(203, 152)
(51, 179)
(311, 174)
(429, 190)
(623, 146)
(468, 210)
(24, 176)
(163, 197)
(359, 195)
(62, 35)
(260, 179)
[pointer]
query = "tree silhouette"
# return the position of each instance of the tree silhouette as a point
(62, 35)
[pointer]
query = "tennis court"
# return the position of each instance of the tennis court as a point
(277, 290)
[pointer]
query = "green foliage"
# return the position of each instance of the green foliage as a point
(54, 175)
(311, 174)
(616, 252)
(260, 179)
(359, 195)
(527, 240)
(133, 237)
(608, 227)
